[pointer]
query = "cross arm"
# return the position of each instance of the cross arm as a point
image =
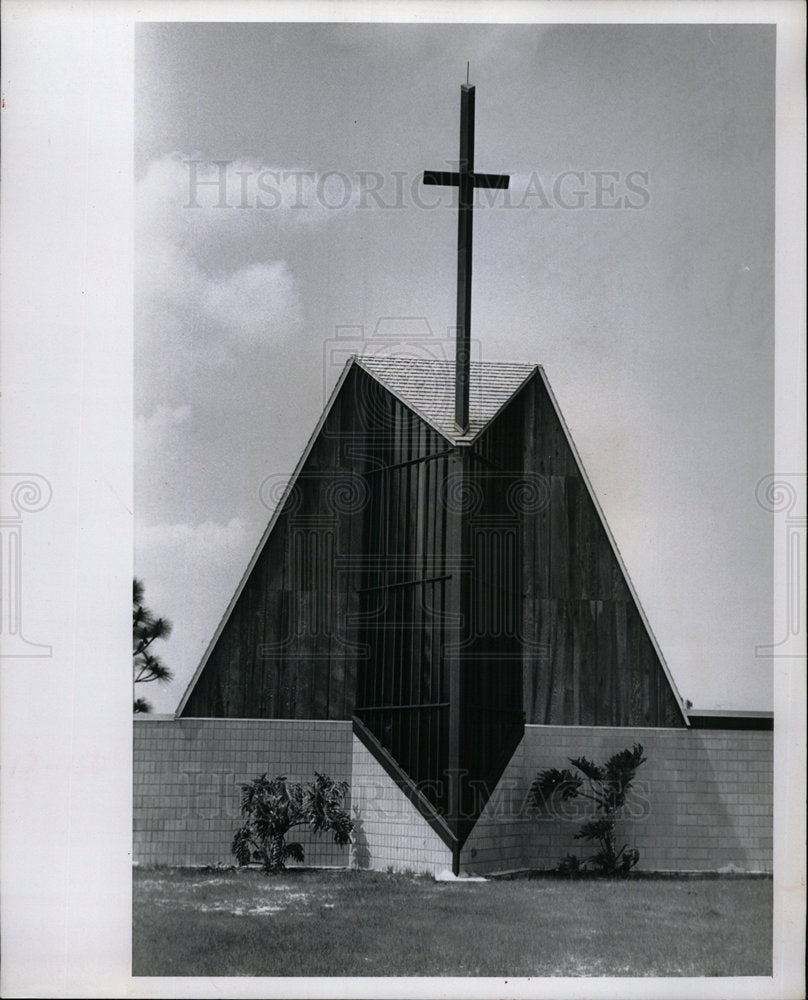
(452, 179)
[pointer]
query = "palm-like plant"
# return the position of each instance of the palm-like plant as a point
(607, 786)
(274, 806)
(146, 627)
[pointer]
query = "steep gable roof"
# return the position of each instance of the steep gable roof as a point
(427, 386)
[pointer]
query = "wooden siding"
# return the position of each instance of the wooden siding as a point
(441, 687)
(492, 718)
(403, 685)
(289, 647)
(349, 605)
(587, 656)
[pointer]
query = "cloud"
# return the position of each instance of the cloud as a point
(163, 419)
(207, 540)
(217, 313)
(256, 303)
(202, 205)
(208, 281)
(157, 437)
(190, 572)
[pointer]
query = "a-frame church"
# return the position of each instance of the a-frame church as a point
(438, 588)
(438, 577)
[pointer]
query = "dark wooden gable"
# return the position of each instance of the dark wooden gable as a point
(588, 654)
(286, 648)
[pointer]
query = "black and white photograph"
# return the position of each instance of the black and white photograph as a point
(434, 383)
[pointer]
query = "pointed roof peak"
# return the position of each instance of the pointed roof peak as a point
(427, 386)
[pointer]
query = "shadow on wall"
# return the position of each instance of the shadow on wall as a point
(726, 813)
(360, 851)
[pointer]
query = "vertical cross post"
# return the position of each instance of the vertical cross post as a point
(465, 232)
(466, 180)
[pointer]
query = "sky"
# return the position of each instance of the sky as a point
(632, 257)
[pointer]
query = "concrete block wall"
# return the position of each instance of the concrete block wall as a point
(389, 832)
(499, 839)
(187, 774)
(701, 802)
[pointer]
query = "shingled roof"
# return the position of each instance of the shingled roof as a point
(427, 386)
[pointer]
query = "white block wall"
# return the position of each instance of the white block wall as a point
(703, 800)
(389, 831)
(187, 775)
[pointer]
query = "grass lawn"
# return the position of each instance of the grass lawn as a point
(189, 922)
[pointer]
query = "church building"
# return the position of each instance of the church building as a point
(436, 611)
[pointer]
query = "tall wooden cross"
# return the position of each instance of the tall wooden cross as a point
(466, 180)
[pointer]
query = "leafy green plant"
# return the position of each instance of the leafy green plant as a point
(274, 806)
(607, 786)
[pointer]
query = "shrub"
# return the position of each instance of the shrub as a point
(607, 786)
(274, 806)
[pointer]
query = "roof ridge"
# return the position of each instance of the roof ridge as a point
(427, 386)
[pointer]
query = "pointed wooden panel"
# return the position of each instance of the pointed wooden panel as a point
(287, 648)
(587, 654)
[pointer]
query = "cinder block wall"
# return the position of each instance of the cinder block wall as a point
(498, 841)
(389, 831)
(187, 774)
(701, 802)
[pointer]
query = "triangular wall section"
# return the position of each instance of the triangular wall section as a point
(589, 655)
(285, 648)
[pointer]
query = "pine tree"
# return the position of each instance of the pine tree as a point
(145, 629)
